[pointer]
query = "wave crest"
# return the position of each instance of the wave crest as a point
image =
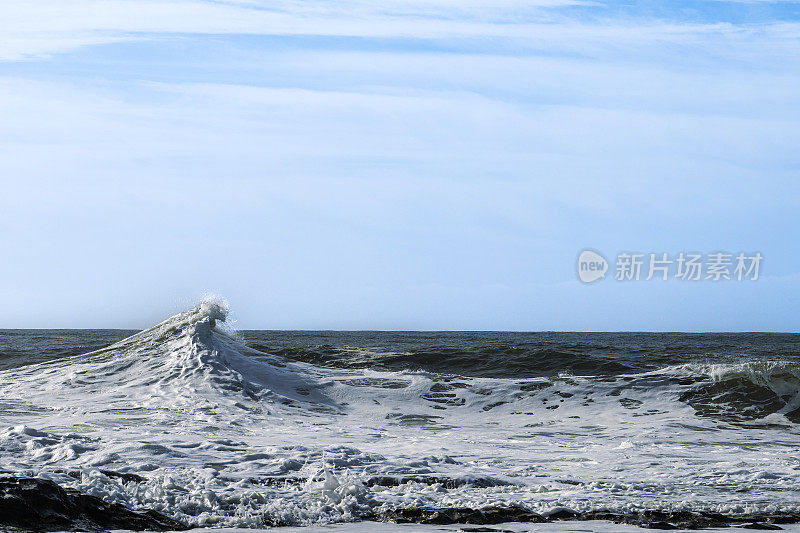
(189, 362)
(746, 392)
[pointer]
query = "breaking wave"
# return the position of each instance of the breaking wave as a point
(215, 427)
(747, 391)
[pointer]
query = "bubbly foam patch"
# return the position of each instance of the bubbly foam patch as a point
(214, 308)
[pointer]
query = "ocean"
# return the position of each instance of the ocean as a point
(218, 428)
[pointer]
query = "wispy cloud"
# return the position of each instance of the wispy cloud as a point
(70, 24)
(541, 25)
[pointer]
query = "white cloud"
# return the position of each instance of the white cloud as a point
(35, 29)
(287, 141)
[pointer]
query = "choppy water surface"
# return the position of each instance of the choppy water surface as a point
(259, 428)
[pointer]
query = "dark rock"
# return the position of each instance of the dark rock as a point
(125, 477)
(651, 519)
(762, 526)
(446, 482)
(458, 515)
(660, 525)
(276, 481)
(41, 505)
(777, 518)
(562, 513)
(482, 529)
(655, 519)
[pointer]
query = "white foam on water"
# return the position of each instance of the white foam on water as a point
(225, 436)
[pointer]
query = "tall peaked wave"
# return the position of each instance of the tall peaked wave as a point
(190, 361)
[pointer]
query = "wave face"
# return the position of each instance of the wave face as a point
(250, 429)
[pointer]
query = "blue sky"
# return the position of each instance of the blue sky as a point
(397, 165)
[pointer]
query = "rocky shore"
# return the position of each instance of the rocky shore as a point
(651, 519)
(35, 504)
(41, 505)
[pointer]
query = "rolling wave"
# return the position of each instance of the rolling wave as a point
(194, 361)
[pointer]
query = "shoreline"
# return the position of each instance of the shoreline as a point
(28, 503)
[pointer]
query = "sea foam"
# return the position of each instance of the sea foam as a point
(185, 419)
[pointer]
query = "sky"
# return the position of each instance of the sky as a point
(414, 164)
